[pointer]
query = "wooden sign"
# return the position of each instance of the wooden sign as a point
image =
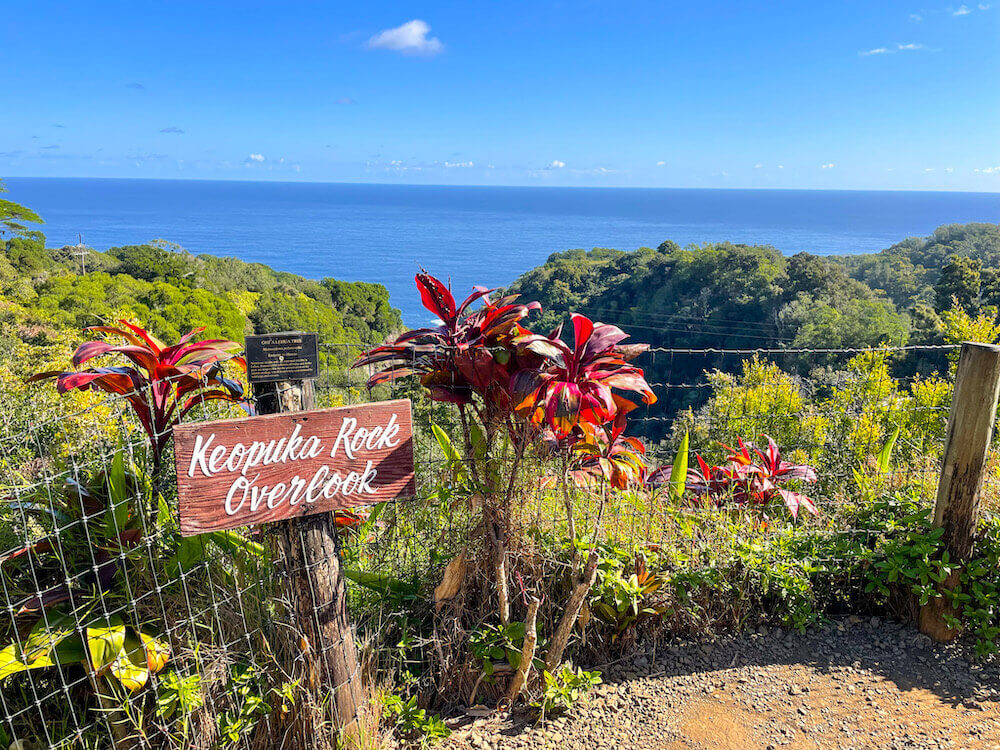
(259, 469)
(274, 357)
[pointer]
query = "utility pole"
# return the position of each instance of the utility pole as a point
(81, 252)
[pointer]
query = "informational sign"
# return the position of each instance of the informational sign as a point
(255, 470)
(289, 355)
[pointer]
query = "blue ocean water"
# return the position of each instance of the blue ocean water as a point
(474, 235)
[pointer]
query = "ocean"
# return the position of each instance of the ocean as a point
(472, 235)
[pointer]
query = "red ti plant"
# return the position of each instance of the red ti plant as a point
(469, 360)
(488, 364)
(468, 353)
(162, 383)
(575, 385)
(572, 394)
(746, 478)
(756, 477)
(605, 453)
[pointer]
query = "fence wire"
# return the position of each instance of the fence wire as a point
(116, 631)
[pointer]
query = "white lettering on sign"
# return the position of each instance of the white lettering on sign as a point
(207, 461)
(354, 438)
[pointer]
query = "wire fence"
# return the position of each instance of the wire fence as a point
(117, 631)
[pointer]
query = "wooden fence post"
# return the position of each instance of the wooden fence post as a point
(323, 635)
(963, 466)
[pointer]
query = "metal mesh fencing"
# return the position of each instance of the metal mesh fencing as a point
(116, 631)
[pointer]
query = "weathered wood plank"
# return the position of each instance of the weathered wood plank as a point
(261, 469)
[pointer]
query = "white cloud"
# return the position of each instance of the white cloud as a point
(908, 47)
(396, 163)
(961, 10)
(928, 169)
(758, 166)
(459, 164)
(410, 39)
(916, 17)
(256, 157)
(831, 165)
(661, 164)
(983, 6)
(781, 166)
(949, 170)
(556, 164)
(988, 170)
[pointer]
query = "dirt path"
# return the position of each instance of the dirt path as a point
(855, 684)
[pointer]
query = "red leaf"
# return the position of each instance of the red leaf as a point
(151, 341)
(603, 338)
(130, 337)
(44, 545)
(479, 293)
(89, 350)
(436, 297)
(562, 407)
(582, 328)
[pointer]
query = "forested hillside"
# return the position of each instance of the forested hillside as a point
(48, 295)
(725, 295)
(934, 290)
(46, 290)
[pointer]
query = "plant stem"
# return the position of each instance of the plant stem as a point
(581, 587)
(570, 520)
(527, 650)
(493, 525)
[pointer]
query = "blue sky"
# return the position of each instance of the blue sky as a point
(690, 94)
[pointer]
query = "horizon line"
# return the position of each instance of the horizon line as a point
(517, 186)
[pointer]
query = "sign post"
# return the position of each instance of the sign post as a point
(294, 467)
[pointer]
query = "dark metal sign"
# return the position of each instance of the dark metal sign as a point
(289, 355)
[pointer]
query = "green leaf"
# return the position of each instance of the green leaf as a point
(678, 472)
(45, 646)
(233, 542)
(118, 499)
(447, 447)
(187, 553)
(885, 455)
(105, 641)
(450, 453)
(478, 438)
(382, 583)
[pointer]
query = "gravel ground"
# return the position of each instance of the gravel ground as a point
(850, 685)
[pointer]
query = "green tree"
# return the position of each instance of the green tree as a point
(959, 284)
(13, 217)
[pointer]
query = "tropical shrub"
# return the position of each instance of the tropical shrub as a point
(516, 393)
(162, 384)
(746, 479)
